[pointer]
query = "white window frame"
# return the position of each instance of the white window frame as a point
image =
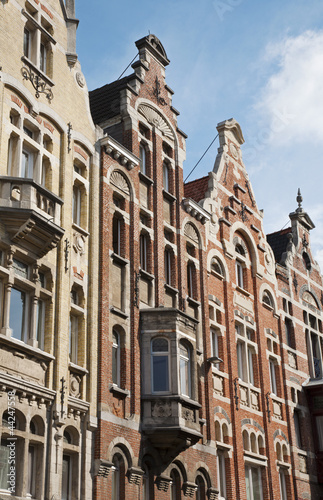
(239, 274)
(27, 163)
(166, 176)
(143, 159)
(250, 480)
(246, 348)
(77, 204)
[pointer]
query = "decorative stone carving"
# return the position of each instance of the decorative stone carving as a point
(154, 118)
(212, 493)
(80, 79)
(234, 151)
(189, 489)
(302, 464)
(218, 384)
(188, 414)
(190, 232)
(135, 475)
(292, 360)
(102, 467)
(75, 381)
(79, 243)
(161, 408)
(118, 180)
(163, 483)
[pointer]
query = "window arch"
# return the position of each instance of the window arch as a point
(267, 299)
(185, 369)
(217, 267)
(160, 364)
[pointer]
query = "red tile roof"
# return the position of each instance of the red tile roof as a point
(196, 189)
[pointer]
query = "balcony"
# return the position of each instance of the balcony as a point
(31, 214)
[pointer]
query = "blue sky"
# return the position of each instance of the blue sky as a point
(258, 61)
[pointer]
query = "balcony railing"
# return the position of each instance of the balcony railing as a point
(31, 214)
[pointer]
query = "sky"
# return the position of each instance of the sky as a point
(258, 61)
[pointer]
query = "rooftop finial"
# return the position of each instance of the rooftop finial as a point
(299, 199)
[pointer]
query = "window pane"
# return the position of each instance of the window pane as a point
(17, 317)
(250, 365)
(73, 338)
(159, 345)
(40, 323)
(282, 484)
(256, 484)
(31, 471)
(160, 373)
(66, 478)
(4, 465)
(248, 486)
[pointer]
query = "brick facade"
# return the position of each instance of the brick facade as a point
(199, 380)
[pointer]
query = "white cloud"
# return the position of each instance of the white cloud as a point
(291, 103)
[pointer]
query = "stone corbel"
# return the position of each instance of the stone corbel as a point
(102, 467)
(163, 482)
(135, 475)
(189, 489)
(212, 493)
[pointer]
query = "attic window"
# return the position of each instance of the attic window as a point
(306, 261)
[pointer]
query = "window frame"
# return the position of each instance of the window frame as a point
(115, 358)
(185, 369)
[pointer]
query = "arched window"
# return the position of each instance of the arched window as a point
(216, 266)
(185, 369)
(160, 364)
(200, 490)
(115, 357)
(267, 299)
(175, 491)
(118, 479)
(142, 156)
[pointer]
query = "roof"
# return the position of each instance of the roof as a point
(105, 101)
(278, 242)
(196, 189)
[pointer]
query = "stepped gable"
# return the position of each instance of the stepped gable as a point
(278, 242)
(196, 189)
(105, 101)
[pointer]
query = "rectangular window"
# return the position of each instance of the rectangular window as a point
(165, 177)
(253, 483)
(250, 366)
(168, 267)
(40, 322)
(143, 252)
(76, 205)
(116, 235)
(4, 465)
(66, 478)
(221, 476)
(31, 485)
(43, 57)
(241, 362)
(297, 426)
(73, 338)
(319, 427)
(272, 371)
(239, 274)
(18, 314)
(215, 343)
(282, 484)
(27, 164)
(27, 43)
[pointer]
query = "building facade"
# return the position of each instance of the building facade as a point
(210, 334)
(154, 342)
(49, 178)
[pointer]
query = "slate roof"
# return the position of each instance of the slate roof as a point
(278, 242)
(196, 189)
(105, 101)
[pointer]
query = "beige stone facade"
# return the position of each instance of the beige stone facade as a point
(48, 256)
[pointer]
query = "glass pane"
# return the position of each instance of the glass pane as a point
(40, 324)
(17, 313)
(31, 471)
(184, 376)
(248, 490)
(250, 363)
(160, 373)
(115, 371)
(4, 466)
(66, 478)
(256, 483)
